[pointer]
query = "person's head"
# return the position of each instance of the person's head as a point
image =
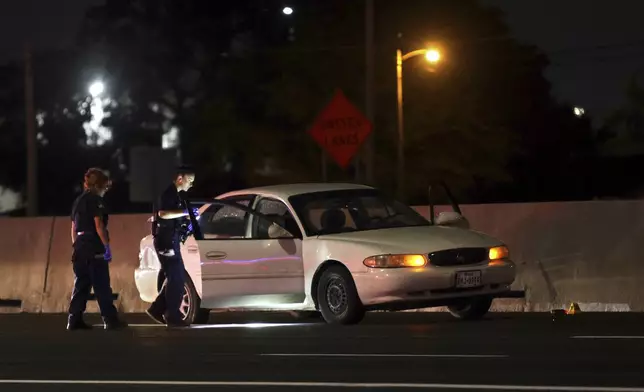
(97, 181)
(184, 178)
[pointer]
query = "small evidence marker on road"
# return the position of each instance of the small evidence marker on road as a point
(572, 310)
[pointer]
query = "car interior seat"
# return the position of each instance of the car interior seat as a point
(333, 220)
(264, 224)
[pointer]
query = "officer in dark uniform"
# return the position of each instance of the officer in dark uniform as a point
(91, 253)
(169, 214)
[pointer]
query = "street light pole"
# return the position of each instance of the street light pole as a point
(432, 56)
(401, 134)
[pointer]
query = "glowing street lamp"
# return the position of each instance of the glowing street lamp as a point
(287, 10)
(433, 56)
(97, 88)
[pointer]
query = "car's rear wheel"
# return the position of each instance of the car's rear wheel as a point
(338, 297)
(471, 308)
(190, 308)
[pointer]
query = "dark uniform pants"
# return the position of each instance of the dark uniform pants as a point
(170, 297)
(91, 272)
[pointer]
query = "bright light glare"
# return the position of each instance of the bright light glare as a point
(98, 107)
(97, 88)
(9, 199)
(499, 253)
(170, 139)
(579, 112)
(433, 56)
(287, 10)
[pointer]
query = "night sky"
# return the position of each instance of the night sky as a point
(572, 31)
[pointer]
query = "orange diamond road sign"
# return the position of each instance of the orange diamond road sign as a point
(340, 129)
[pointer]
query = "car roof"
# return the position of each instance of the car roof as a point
(284, 191)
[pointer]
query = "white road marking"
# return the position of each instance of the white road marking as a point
(607, 337)
(312, 384)
(389, 355)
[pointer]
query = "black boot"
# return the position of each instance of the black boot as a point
(76, 323)
(173, 322)
(155, 315)
(114, 323)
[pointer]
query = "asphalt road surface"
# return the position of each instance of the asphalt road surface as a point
(275, 352)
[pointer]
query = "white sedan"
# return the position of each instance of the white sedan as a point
(336, 249)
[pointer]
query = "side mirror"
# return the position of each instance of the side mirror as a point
(452, 219)
(276, 231)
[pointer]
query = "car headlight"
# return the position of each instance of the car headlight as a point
(499, 253)
(395, 261)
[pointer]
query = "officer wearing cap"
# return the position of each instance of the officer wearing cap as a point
(169, 214)
(91, 253)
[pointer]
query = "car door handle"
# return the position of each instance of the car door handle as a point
(215, 255)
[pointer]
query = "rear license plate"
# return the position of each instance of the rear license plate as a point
(468, 279)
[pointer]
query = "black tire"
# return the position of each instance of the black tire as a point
(190, 308)
(338, 298)
(471, 308)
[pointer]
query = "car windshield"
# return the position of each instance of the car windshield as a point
(344, 211)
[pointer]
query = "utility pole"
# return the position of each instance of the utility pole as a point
(30, 131)
(369, 89)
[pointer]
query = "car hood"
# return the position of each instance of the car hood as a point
(425, 239)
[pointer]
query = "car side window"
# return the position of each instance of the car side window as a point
(225, 222)
(277, 211)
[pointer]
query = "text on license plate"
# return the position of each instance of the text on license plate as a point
(468, 279)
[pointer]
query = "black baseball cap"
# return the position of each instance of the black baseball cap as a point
(184, 169)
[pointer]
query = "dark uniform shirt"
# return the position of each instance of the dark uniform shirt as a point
(167, 230)
(86, 207)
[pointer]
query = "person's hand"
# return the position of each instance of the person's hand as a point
(108, 254)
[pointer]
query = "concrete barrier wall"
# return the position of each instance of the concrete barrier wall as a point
(24, 253)
(586, 252)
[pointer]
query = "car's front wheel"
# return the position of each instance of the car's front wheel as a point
(190, 308)
(471, 308)
(338, 297)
